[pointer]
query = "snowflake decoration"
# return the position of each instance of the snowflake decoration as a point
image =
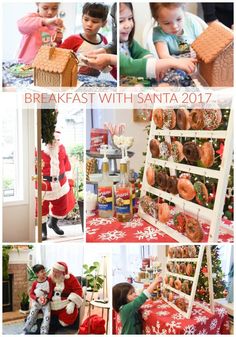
(213, 324)
(136, 222)
(149, 233)
(147, 306)
(178, 316)
(189, 330)
(156, 329)
(203, 332)
(172, 326)
(198, 311)
(112, 235)
(101, 221)
(91, 231)
(164, 306)
(162, 313)
(201, 319)
(221, 311)
(146, 314)
(147, 330)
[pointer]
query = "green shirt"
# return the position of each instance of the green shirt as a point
(135, 64)
(131, 319)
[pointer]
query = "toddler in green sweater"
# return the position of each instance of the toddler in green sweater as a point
(137, 61)
(126, 302)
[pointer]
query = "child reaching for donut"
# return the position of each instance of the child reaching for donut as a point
(41, 28)
(126, 303)
(176, 29)
(137, 61)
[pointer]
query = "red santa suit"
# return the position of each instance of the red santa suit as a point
(66, 294)
(57, 194)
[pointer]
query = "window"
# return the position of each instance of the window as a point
(12, 152)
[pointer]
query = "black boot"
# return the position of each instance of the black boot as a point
(52, 223)
(44, 231)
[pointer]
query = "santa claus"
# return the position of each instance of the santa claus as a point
(67, 294)
(57, 188)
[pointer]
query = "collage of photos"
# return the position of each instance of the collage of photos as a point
(117, 218)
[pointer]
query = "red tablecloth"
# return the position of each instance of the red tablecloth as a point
(137, 230)
(161, 319)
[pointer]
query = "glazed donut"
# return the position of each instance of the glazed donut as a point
(197, 119)
(189, 269)
(170, 297)
(186, 189)
(171, 281)
(177, 268)
(180, 221)
(166, 279)
(192, 251)
(207, 154)
(151, 175)
(178, 284)
(182, 118)
(182, 268)
(165, 149)
(177, 151)
(191, 151)
(201, 192)
(170, 266)
(212, 118)
(185, 251)
(162, 179)
(185, 287)
(193, 230)
(178, 252)
(154, 148)
(163, 212)
(172, 185)
(164, 118)
(171, 252)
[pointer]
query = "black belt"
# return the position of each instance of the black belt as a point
(54, 179)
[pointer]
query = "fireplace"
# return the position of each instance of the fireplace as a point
(7, 294)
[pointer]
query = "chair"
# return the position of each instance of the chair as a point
(148, 31)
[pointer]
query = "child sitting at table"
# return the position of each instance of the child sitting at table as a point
(40, 294)
(126, 303)
(94, 17)
(41, 28)
(137, 61)
(176, 29)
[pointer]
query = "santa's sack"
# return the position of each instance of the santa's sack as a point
(94, 325)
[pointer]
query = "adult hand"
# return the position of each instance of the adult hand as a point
(70, 308)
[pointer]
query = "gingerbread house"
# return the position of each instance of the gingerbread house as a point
(214, 49)
(55, 67)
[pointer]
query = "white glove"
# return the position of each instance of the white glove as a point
(70, 308)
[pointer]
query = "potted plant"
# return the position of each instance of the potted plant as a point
(24, 302)
(94, 280)
(5, 261)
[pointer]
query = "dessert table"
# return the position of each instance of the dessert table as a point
(136, 230)
(160, 319)
(10, 81)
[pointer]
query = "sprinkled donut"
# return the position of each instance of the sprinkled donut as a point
(212, 118)
(172, 185)
(191, 151)
(186, 287)
(201, 192)
(197, 119)
(207, 154)
(180, 221)
(192, 251)
(162, 179)
(182, 119)
(154, 148)
(163, 212)
(164, 118)
(164, 150)
(186, 189)
(193, 230)
(177, 151)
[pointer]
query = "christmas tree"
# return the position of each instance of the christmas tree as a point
(219, 287)
(48, 121)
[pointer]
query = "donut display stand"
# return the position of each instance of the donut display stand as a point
(213, 217)
(173, 290)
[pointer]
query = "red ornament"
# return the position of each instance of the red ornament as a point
(204, 270)
(221, 150)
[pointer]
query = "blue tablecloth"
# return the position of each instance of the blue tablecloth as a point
(10, 80)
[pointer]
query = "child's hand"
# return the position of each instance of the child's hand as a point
(54, 22)
(186, 64)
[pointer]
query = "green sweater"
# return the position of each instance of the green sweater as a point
(136, 64)
(130, 317)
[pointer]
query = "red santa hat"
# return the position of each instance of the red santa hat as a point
(62, 266)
